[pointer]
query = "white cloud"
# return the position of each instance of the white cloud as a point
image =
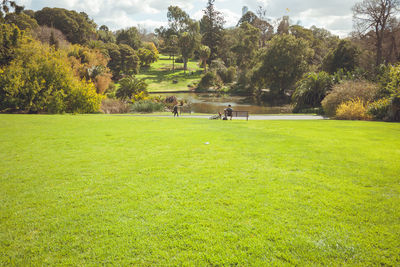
(231, 18)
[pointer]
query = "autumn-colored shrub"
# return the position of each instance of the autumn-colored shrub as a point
(347, 91)
(355, 109)
(40, 79)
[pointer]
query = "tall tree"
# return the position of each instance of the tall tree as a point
(211, 26)
(260, 22)
(187, 44)
(186, 30)
(180, 36)
(172, 48)
(77, 27)
(124, 60)
(178, 20)
(283, 63)
(247, 44)
(375, 15)
(129, 37)
(344, 56)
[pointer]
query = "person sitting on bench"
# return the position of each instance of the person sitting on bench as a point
(228, 112)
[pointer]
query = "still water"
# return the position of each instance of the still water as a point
(214, 103)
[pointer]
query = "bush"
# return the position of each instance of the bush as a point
(83, 98)
(130, 87)
(114, 106)
(40, 79)
(380, 109)
(346, 91)
(147, 106)
(390, 89)
(311, 90)
(230, 75)
(394, 112)
(354, 109)
(208, 81)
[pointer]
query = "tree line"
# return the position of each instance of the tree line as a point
(271, 61)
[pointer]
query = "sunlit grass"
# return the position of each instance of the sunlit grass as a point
(160, 76)
(120, 190)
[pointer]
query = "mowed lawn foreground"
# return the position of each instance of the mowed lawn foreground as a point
(120, 190)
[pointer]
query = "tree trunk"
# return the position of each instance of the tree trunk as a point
(173, 62)
(379, 41)
(205, 65)
(185, 64)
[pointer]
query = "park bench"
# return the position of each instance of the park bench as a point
(244, 114)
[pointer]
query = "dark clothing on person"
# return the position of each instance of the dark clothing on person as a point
(228, 112)
(175, 111)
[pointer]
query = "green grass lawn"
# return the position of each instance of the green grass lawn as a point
(160, 76)
(119, 190)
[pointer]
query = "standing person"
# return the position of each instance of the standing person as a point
(228, 112)
(175, 111)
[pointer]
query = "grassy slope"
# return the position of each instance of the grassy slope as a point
(125, 190)
(159, 76)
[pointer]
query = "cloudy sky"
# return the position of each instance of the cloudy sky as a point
(335, 16)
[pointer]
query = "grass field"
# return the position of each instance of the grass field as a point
(115, 190)
(160, 76)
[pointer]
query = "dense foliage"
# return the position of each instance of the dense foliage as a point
(347, 91)
(388, 106)
(311, 90)
(131, 88)
(40, 79)
(283, 63)
(344, 56)
(77, 27)
(355, 109)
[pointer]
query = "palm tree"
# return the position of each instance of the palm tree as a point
(130, 86)
(204, 53)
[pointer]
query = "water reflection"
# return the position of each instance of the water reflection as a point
(214, 103)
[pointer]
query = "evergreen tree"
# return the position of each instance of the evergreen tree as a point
(211, 26)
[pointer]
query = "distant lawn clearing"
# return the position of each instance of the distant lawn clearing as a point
(160, 76)
(114, 190)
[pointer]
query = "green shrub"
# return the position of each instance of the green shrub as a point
(209, 80)
(354, 109)
(346, 91)
(391, 90)
(380, 109)
(230, 75)
(130, 87)
(227, 75)
(147, 106)
(311, 90)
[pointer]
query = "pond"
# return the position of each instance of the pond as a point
(214, 103)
